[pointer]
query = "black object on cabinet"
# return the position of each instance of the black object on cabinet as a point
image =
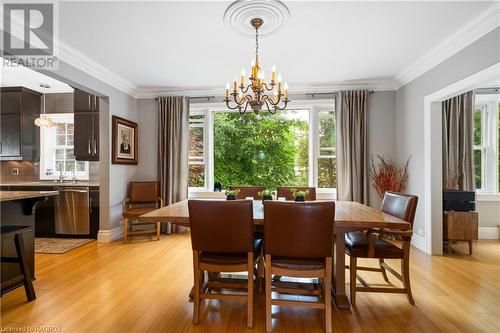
(86, 108)
(20, 137)
(456, 200)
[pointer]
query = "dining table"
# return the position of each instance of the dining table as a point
(349, 216)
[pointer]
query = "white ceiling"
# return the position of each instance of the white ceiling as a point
(172, 45)
(19, 76)
(185, 44)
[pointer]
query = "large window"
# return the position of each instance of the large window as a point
(291, 148)
(487, 143)
(196, 150)
(57, 150)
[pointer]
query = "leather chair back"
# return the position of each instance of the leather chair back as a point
(299, 229)
(221, 226)
(400, 205)
(143, 192)
(248, 191)
(286, 192)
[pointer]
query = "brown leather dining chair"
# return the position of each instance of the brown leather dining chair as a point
(222, 241)
(143, 197)
(298, 243)
(365, 244)
(248, 191)
(286, 192)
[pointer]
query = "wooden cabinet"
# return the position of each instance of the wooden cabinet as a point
(85, 102)
(94, 212)
(10, 145)
(86, 107)
(86, 137)
(19, 135)
(460, 226)
(59, 103)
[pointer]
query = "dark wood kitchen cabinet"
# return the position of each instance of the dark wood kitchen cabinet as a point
(85, 102)
(20, 137)
(86, 137)
(59, 103)
(94, 211)
(10, 145)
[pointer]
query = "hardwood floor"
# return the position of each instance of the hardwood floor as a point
(143, 286)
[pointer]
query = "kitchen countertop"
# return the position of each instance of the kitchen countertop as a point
(16, 195)
(48, 183)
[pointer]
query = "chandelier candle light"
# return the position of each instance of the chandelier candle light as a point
(241, 96)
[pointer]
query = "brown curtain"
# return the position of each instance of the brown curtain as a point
(352, 161)
(173, 134)
(458, 146)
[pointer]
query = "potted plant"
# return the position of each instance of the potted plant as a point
(388, 175)
(299, 195)
(266, 195)
(232, 194)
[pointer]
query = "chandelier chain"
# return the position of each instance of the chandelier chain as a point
(256, 44)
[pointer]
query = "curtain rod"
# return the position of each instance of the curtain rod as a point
(486, 91)
(331, 93)
(196, 97)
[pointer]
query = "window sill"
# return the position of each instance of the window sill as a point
(197, 194)
(482, 197)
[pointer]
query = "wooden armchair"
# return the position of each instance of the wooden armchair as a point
(143, 197)
(371, 244)
(286, 192)
(298, 243)
(248, 191)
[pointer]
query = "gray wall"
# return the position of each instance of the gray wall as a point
(381, 131)
(147, 111)
(113, 179)
(410, 107)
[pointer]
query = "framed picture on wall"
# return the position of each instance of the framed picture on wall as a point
(124, 141)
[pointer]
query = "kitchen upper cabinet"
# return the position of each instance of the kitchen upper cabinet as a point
(10, 145)
(19, 134)
(59, 103)
(85, 102)
(86, 137)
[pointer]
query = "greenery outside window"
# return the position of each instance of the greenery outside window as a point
(291, 148)
(196, 155)
(486, 140)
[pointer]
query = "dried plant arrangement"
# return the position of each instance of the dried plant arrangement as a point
(388, 175)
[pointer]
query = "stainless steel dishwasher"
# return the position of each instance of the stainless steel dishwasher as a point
(72, 211)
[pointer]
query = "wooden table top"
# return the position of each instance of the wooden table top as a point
(17, 195)
(348, 214)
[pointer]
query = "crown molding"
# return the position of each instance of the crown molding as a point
(85, 64)
(295, 88)
(485, 22)
(79, 60)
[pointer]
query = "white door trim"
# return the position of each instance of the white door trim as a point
(432, 159)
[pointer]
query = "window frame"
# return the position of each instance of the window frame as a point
(45, 153)
(312, 106)
(205, 145)
(489, 168)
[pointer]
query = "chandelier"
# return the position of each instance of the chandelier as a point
(257, 93)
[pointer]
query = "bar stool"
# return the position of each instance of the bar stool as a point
(17, 231)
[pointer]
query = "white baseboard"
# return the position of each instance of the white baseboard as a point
(489, 233)
(107, 236)
(419, 242)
